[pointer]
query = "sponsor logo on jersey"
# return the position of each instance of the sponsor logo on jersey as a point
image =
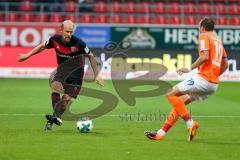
(73, 49)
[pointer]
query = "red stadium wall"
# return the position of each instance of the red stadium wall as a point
(9, 57)
(18, 39)
(41, 65)
(38, 66)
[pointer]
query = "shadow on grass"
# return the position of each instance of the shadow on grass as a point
(71, 132)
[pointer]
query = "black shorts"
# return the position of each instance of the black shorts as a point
(72, 82)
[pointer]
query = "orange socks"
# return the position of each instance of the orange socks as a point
(171, 120)
(180, 107)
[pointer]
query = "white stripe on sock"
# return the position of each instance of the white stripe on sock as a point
(161, 132)
(189, 123)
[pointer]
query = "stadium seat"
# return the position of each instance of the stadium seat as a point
(144, 19)
(86, 18)
(221, 1)
(189, 8)
(12, 17)
(1, 17)
(204, 8)
(230, 1)
(131, 19)
(100, 6)
(234, 21)
(143, 7)
(27, 17)
(202, 1)
(221, 20)
(115, 6)
(219, 8)
(190, 20)
(233, 9)
(102, 18)
(72, 17)
(159, 7)
(71, 6)
(26, 5)
(116, 18)
(41, 18)
(130, 7)
(160, 19)
(174, 8)
(175, 20)
(56, 17)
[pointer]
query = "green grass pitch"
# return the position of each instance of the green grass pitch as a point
(23, 103)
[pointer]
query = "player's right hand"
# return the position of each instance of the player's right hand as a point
(99, 80)
(22, 57)
(183, 70)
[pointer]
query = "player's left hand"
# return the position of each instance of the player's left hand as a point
(183, 70)
(99, 80)
(22, 57)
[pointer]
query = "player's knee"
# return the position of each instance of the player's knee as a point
(173, 92)
(186, 99)
(66, 97)
(174, 100)
(169, 94)
(57, 86)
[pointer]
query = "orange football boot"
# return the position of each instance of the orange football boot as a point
(153, 135)
(193, 131)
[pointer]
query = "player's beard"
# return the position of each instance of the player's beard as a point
(67, 39)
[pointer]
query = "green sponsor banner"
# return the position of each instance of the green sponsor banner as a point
(172, 37)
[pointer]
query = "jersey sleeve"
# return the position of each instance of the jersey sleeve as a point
(203, 43)
(49, 43)
(84, 48)
(224, 53)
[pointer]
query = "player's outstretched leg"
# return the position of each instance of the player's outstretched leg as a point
(170, 121)
(52, 118)
(60, 108)
(192, 131)
(181, 109)
(49, 123)
(153, 135)
(55, 97)
(58, 111)
(56, 120)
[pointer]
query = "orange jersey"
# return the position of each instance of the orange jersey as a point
(210, 70)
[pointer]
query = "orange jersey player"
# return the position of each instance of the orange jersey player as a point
(212, 62)
(211, 69)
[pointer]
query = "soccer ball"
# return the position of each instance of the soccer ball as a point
(84, 125)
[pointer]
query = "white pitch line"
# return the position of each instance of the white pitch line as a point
(120, 115)
(216, 116)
